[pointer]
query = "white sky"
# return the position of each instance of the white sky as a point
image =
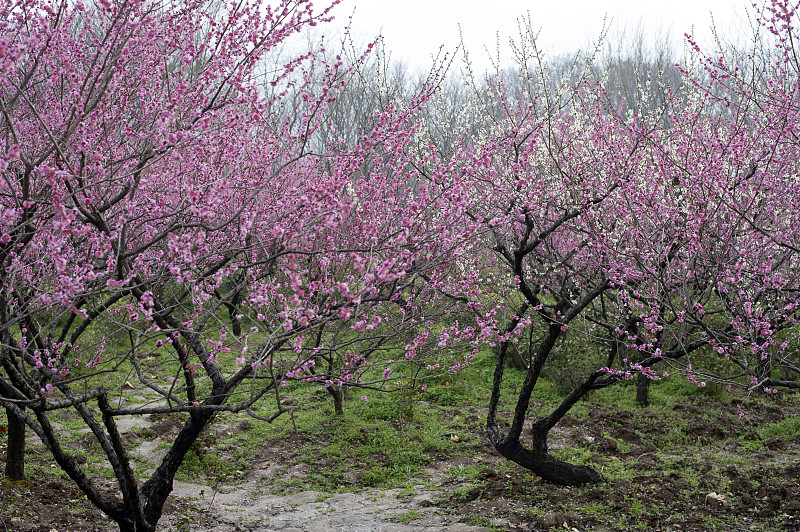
(415, 29)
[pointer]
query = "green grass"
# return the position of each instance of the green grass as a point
(381, 442)
(787, 429)
(480, 520)
(461, 472)
(406, 517)
(387, 441)
(751, 446)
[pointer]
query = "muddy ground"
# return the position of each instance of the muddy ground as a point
(701, 466)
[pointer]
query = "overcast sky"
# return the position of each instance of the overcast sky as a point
(415, 29)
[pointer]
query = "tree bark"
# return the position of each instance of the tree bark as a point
(537, 459)
(156, 490)
(338, 399)
(233, 312)
(642, 390)
(131, 526)
(541, 463)
(15, 453)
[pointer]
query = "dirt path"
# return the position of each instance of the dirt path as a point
(247, 508)
(254, 504)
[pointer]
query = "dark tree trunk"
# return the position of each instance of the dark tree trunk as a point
(642, 382)
(237, 325)
(540, 462)
(233, 308)
(642, 390)
(537, 459)
(130, 526)
(233, 312)
(15, 457)
(338, 399)
(156, 490)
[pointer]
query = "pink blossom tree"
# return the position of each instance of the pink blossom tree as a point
(668, 233)
(717, 261)
(151, 187)
(546, 168)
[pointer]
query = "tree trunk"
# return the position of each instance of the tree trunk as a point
(338, 399)
(540, 462)
(130, 526)
(537, 459)
(233, 311)
(237, 325)
(156, 490)
(15, 453)
(642, 390)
